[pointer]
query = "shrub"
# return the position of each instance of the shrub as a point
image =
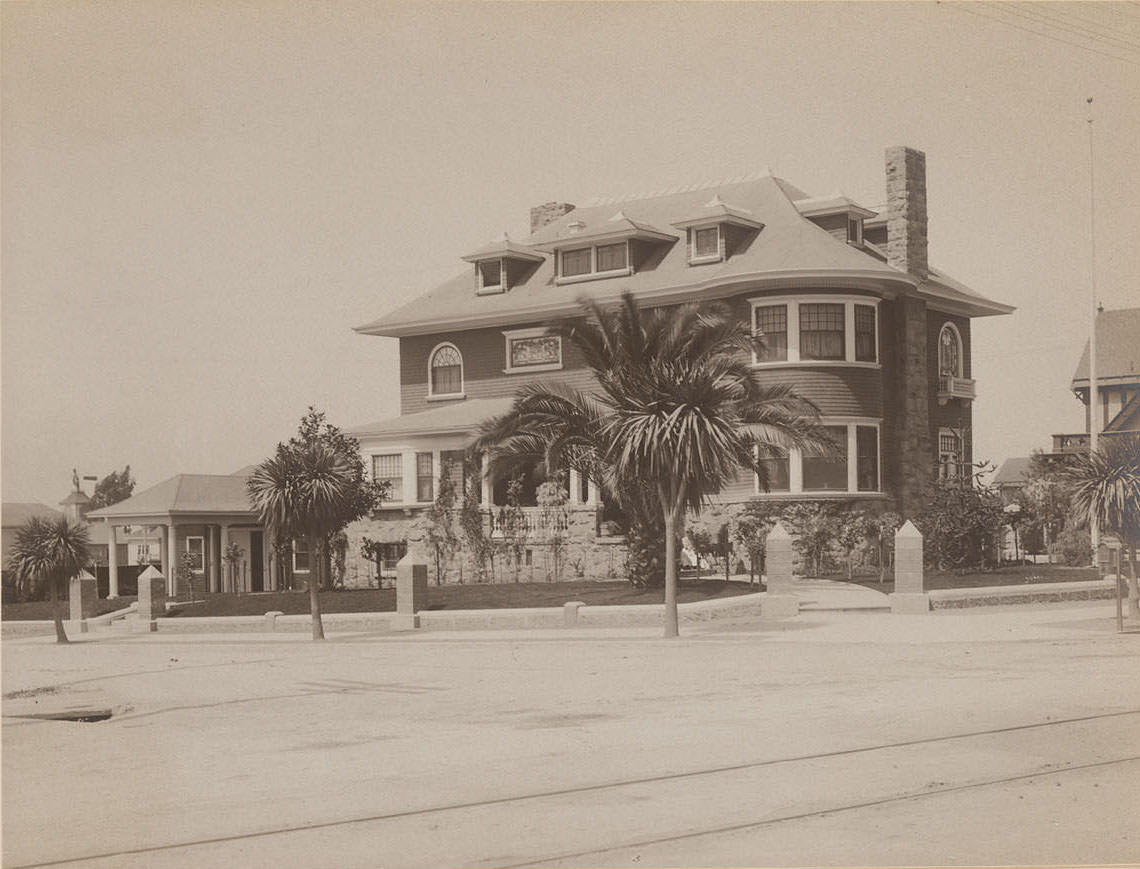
(1073, 544)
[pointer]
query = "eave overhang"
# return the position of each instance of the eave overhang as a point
(887, 285)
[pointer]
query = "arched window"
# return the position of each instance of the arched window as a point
(949, 352)
(445, 371)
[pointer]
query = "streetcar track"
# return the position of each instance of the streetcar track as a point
(815, 813)
(580, 789)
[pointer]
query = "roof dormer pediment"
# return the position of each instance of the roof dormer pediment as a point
(618, 227)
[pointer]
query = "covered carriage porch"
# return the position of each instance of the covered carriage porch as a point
(201, 517)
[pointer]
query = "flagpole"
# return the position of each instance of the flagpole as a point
(1094, 394)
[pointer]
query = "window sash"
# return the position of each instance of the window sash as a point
(826, 473)
(425, 489)
(576, 262)
(822, 331)
(772, 326)
(866, 347)
(867, 458)
(706, 242)
(196, 546)
(949, 354)
(611, 257)
(779, 474)
(389, 469)
(300, 555)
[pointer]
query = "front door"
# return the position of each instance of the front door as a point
(256, 562)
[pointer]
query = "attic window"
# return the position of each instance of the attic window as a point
(491, 275)
(705, 244)
(596, 261)
(855, 230)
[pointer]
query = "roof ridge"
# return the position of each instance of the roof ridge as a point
(597, 201)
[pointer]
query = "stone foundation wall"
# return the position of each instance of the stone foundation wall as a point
(581, 553)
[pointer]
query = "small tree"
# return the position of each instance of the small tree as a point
(814, 528)
(962, 521)
(750, 532)
(1106, 489)
(512, 525)
(1045, 499)
(851, 530)
(232, 556)
(49, 551)
(439, 521)
(115, 487)
(552, 498)
(188, 562)
(372, 551)
(338, 552)
(473, 527)
(884, 527)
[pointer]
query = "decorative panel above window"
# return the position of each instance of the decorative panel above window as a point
(816, 329)
(530, 350)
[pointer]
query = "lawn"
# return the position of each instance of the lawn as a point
(1027, 574)
(41, 609)
(459, 597)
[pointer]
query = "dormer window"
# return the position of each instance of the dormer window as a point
(603, 260)
(501, 264)
(716, 229)
(855, 230)
(610, 248)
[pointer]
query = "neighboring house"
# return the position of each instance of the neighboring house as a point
(202, 514)
(851, 311)
(15, 514)
(1117, 380)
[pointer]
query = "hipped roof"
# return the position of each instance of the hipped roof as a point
(789, 247)
(184, 493)
(1117, 349)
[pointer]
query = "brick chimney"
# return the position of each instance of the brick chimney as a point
(548, 212)
(906, 210)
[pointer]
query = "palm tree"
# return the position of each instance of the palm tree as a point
(1106, 490)
(307, 491)
(676, 416)
(51, 551)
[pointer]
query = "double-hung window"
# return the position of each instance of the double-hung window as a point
(772, 330)
(866, 337)
(822, 331)
(445, 371)
(300, 555)
(851, 467)
(389, 469)
(828, 473)
(577, 262)
(601, 260)
(706, 243)
(196, 550)
(425, 488)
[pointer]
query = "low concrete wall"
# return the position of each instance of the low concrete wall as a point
(957, 598)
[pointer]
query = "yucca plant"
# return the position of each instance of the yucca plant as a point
(1106, 489)
(676, 414)
(49, 551)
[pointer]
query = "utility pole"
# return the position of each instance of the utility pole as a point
(1094, 394)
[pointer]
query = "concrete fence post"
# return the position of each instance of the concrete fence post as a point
(909, 597)
(570, 612)
(83, 595)
(271, 619)
(780, 601)
(152, 599)
(411, 592)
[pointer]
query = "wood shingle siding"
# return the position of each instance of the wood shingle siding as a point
(837, 390)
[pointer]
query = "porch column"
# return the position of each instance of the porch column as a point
(223, 542)
(213, 561)
(163, 551)
(575, 487)
(591, 493)
(271, 554)
(112, 564)
(172, 560)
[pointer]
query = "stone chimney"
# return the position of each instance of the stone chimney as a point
(906, 210)
(548, 212)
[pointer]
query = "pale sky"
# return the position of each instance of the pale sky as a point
(200, 200)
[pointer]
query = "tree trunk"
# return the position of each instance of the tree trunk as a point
(60, 633)
(674, 528)
(314, 587)
(1133, 586)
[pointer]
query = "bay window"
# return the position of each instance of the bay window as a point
(828, 473)
(852, 466)
(825, 329)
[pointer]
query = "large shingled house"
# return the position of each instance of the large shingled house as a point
(851, 309)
